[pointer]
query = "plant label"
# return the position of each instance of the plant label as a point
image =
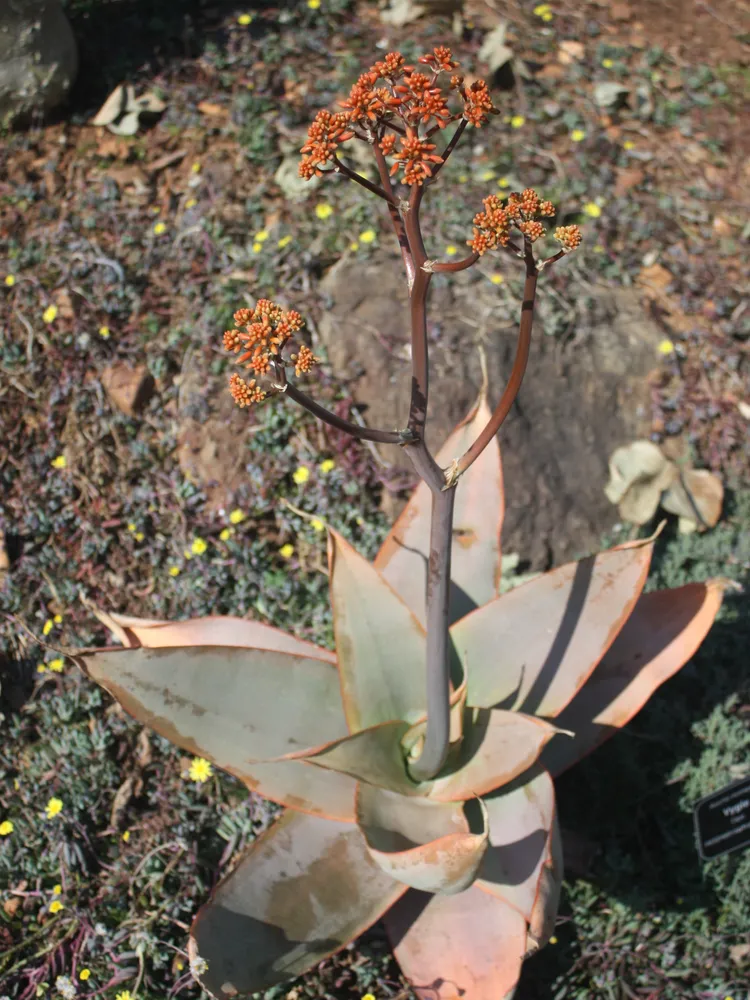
(722, 820)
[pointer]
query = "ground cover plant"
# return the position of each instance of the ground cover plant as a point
(663, 175)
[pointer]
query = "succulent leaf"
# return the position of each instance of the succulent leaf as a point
(234, 706)
(663, 632)
(477, 519)
(426, 845)
(534, 647)
(469, 945)
(304, 889)
(521, 823)
(380, 644)
(213, 630)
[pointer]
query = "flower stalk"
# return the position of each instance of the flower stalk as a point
(397, 109)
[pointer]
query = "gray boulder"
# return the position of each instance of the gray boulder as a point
(38, 58)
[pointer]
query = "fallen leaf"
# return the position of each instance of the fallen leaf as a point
(739, 953)
(655, 276)
(609, 95)
(64, 303)
(570, 51)
(696, 497)
(213, 110)
(494, 51)
(627, 178)
(744, 409)
(401, 12)
(638, 475)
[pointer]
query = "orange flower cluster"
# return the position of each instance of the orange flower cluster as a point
(259, 336)
(324, 137)
(410, 104)
(569, 236)
(245, 393)
(492, 227)
(304, 361)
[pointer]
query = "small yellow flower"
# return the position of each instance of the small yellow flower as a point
(488, 175)
(188, 554)
(317, 524)
(126, 995)
(547, 16)
(368, 996)
(368, 236)
(47, 628)
(60, 462)
(592, 209)
(154, 209)
(628, 144)
(257, 247)
(126, 835)
(191, 203)
(50, 314)
(54, 807)
(451, 250)
(196, 167)
(244, 20)
(225, 534)
(174, 570)
(41, 668)
(55, 906)
(313, 4)
(354, 245)
(497, 279)
(301, 475)
(200, 769)
(286, 551)
(84, 974)
(327, 465)
(323, 210)
(284, 242)
(57, 890)
(10, 280)
(262, 236)
(104, 332)
(553, 940)
(541, 9)
(57, 619)
(198, 547)
(503, 182)
(139, 536)
(237, 516)
(463, 178)
(159, 228)
(577, 135)
(666, 347)
(608, 63)
(179, 965)
(6, 828)
(517, 121)
(131, 526)
(56, 665)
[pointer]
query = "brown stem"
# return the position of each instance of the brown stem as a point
(437, 737)
(519, 368)
(448, 150)
(418, 307)
(363, 433)
(398, 223)
(363, 181)
(440, 267)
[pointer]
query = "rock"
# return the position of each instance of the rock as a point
(38, 58)
(129, 389)
(577, 404)
(214, 435)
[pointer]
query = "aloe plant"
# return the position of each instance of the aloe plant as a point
(415, 762)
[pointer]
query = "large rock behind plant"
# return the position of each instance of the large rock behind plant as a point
(38, 57)
(581, 398)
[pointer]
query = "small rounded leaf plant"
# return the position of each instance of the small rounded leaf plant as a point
(416, 761)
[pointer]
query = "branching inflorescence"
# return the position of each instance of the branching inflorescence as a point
(398, 110)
